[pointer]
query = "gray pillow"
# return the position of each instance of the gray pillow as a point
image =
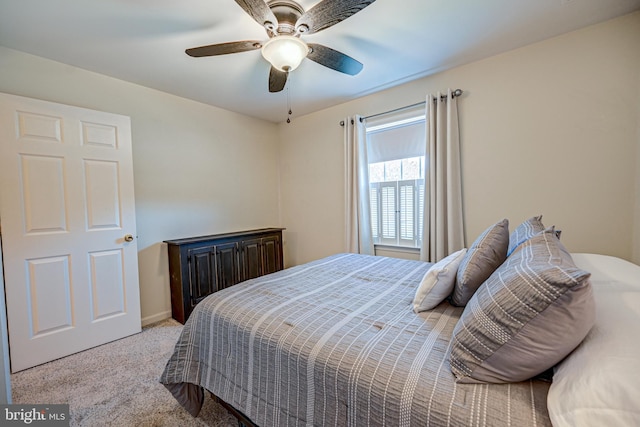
(524, 232)
(485, 255)
(531, 313)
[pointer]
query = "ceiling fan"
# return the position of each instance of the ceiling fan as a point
(285, 21)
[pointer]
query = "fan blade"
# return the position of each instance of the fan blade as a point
(277, 80)
(259, 11)
(224, 48)
(333, 59)
(327, 13)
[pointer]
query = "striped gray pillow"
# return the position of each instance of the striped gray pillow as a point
(524, 232)
(533, 311)
(486, 254)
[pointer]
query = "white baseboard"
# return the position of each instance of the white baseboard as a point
(156, 318)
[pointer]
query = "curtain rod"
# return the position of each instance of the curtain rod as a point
(455, 93)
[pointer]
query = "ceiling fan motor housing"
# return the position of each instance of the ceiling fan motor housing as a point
(287, 12)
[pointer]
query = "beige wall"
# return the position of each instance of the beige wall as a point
(551, 128)
(197, 169)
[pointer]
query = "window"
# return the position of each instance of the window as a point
(396, 153)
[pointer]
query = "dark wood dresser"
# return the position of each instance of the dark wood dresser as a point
(200, 266)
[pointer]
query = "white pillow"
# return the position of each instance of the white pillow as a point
(438, 282)
(599, 383)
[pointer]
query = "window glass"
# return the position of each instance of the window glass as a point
(393, 170)
(376, 172)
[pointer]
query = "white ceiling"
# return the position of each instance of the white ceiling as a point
(143, 41)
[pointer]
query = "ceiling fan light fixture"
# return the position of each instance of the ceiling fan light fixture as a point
(285, 52)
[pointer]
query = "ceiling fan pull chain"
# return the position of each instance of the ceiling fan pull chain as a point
(289, 101)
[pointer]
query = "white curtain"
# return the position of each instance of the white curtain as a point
(443, 228)
(358, 220)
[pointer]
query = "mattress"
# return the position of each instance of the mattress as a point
(336, 342)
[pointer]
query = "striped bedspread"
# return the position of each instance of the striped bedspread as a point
(335, 343)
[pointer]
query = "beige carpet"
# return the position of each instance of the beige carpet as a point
(116, 384)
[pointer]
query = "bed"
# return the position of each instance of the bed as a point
(337, 342)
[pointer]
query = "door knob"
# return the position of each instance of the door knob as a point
(128, 238)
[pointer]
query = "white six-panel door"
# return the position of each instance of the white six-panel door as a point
(68, 229)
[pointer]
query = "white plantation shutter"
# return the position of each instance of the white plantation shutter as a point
(375, 217)
(388, 204)
(407, 212)
(420, 212)
(396, 207)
